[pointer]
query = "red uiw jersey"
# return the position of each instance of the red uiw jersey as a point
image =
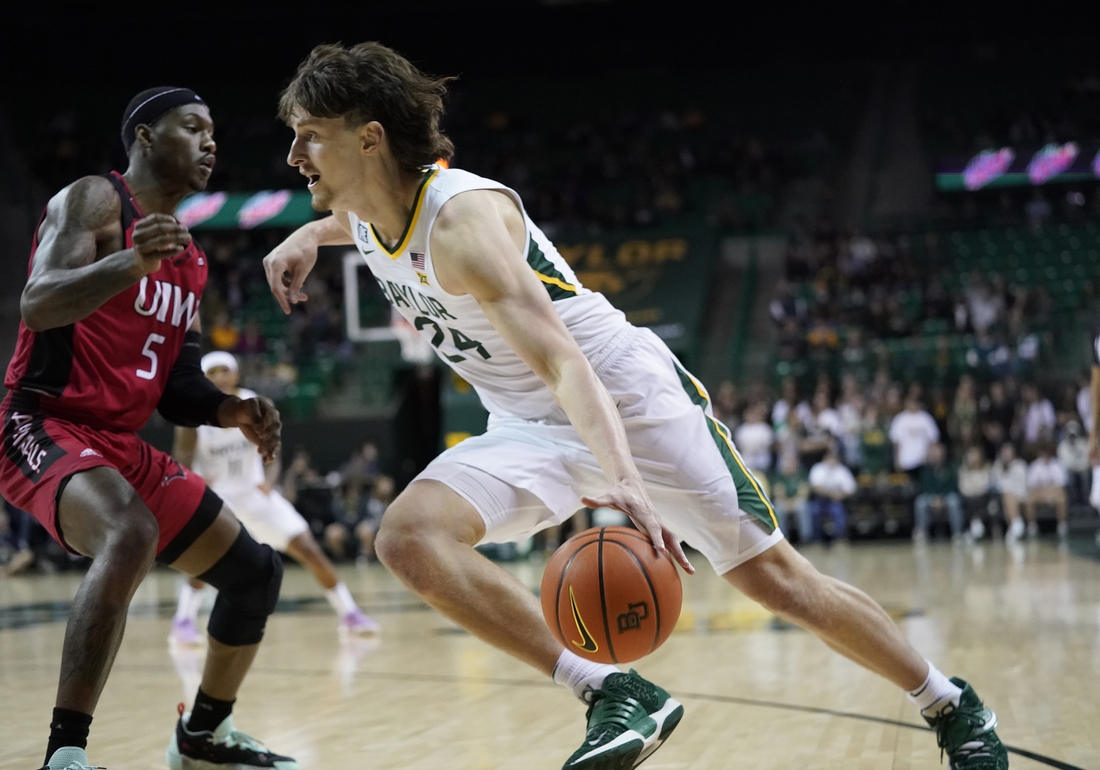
(109, 370)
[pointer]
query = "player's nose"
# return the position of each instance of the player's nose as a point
(295, 157)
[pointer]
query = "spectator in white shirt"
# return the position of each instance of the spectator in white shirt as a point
(1009, 477)
(1046, 485)
(912, 432)
(975, 480)
(824, 416)
(850, 411)
(754, 439)
(1039, 416)
(1073, 451)
(831, 483)
(1084, 403)
(789, 402)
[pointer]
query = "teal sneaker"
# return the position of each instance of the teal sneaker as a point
(220, 749)
(70, 758)
(966, 734)
(628, 719)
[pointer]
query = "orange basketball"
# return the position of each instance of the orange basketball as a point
(609, 596)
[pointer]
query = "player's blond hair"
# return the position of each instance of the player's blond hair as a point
(370, 82)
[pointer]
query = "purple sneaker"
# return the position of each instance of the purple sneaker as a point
(184, 633)
(359, 623)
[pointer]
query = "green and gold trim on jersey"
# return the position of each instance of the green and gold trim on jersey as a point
(410, 224)
(552, 279)
(750, 496)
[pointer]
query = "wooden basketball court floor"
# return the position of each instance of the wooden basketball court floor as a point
(1023, 625)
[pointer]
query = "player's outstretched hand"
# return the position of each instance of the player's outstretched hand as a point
(157, 237)
(287, 267)
(632, 500)
(259, 420)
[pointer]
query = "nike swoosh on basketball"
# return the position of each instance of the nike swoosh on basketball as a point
(587, 643)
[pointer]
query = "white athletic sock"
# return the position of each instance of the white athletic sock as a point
(190, 602)
(340, 598)
(581, 675)
(935, 694)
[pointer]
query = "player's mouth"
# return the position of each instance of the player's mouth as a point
(207, 164)
(313, 179)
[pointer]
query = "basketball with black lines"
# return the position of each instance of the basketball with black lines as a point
(609, 596)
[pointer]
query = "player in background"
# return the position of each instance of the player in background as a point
(585, 409)
(1093, 425)
(110, 333)
(228, 463)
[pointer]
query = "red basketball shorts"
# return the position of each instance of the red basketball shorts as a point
(41, 453)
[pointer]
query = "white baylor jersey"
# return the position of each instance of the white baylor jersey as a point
(226, 460)
(455, 325)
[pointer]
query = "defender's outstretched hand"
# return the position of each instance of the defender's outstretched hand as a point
(635, 503)
(259, 420)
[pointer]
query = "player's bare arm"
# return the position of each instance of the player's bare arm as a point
(184, 443)
(477, 250)
(258, 415)
(81, 263)
(289, 264)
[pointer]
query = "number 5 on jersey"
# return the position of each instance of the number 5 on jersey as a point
(148, 352)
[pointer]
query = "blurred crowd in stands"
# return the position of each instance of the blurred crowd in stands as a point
(240, 316)
(843, 293)
(630, 169)
(1053, 107)
(977, 458)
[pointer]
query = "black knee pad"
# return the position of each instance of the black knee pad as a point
(247, 577)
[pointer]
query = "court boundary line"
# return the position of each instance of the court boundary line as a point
(734, 699)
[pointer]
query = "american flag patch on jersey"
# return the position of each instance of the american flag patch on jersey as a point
(418, 261)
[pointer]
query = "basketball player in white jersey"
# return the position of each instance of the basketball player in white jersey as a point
(220, 457)
(585, 409)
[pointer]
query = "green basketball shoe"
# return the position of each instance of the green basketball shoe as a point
(628, 719)
(966, 734)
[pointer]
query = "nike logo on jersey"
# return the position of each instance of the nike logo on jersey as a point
(587, 643)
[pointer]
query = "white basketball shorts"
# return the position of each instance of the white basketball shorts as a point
(523, 476)
(270, 519)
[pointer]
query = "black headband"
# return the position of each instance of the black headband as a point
(148, 106)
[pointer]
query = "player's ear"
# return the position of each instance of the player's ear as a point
(143, 135)
(370, 137)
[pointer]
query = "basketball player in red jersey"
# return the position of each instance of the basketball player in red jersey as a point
(110, 332)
